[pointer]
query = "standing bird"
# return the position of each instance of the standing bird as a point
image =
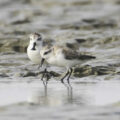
(34, 47)
(64, 57)
(37, 43)
(33, 52)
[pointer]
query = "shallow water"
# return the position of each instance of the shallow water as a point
(85, 100)
(101, 93)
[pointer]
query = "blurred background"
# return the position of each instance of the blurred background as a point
(77, 18)
(95, 94)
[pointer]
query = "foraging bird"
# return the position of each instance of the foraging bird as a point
(64, 57)
(35, 46)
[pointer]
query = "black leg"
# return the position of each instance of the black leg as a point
(47, 77)
(69, 75)
(45, 71)
(44, 74)
(40, 65)
(64, 76)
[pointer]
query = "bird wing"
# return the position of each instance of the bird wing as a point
(72, 55)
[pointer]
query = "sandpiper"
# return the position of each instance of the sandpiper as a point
(37, 43)
(64, 57)
(34, 47)
(33, 51)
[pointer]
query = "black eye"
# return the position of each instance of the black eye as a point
(47, 52)
(39, 39)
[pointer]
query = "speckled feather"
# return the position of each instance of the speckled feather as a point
(72, 55)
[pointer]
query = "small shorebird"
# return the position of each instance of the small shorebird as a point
(36, 44)
(64, 57)
(33, 51)
(34, 47)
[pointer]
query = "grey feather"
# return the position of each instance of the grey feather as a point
(72, 55)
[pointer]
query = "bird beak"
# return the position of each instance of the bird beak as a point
(42, 61)
(34, 45)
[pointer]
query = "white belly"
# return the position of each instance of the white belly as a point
(34, 56)
(57, 60)
(52, 61)
(60, 61)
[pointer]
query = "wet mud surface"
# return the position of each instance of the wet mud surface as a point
(86, 25)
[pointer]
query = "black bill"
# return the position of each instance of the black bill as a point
(34, 45)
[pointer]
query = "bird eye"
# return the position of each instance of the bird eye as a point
(39, 39)
(47, 52)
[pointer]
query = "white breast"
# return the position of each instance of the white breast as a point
(57, 59)
(52, 60)
(34, 55)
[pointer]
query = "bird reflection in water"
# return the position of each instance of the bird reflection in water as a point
(50, 97)
(70, 94)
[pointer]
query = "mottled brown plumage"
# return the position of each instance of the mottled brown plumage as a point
(72, 55)
(64, 57)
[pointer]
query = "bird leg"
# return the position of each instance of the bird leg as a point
(45, 71)
(40, 65)
(42, 61)
(64, 76)
(70, 72)
(44, 74)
